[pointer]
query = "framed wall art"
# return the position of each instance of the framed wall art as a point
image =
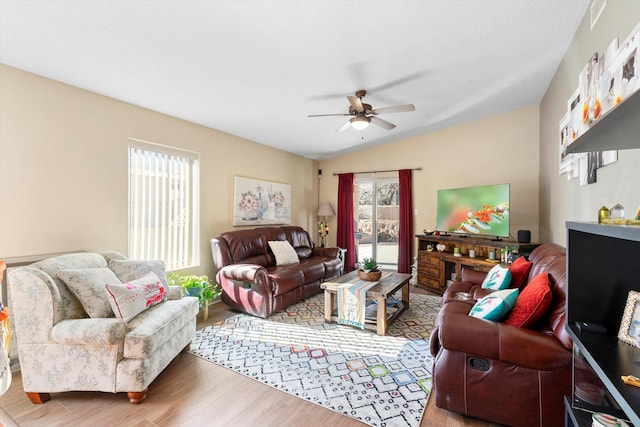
(565, 158)
(630, 324)
(260, 202)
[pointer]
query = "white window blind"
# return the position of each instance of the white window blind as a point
(163, 204)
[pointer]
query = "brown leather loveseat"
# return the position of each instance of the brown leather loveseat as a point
(252, 282)
(498, 372)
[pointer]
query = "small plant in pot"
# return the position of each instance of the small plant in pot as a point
(195, 286)
(369, 270)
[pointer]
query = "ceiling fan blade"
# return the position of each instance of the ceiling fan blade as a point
(396, 109)
(344, 127)
(382, 123)
(356, 104)
(327, 115)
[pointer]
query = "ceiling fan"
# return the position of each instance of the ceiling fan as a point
(363, 114)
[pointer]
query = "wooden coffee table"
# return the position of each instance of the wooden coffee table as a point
(389, 284)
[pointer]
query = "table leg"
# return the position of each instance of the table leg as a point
(328, 305)
(405, 295)
(381, 318)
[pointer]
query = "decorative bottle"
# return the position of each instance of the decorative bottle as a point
(603, 214)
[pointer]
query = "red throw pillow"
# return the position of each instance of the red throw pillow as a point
(519, 272)
(532, 303)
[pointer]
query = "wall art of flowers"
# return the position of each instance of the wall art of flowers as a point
(259, 202)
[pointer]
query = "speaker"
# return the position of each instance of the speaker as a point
(524, 236)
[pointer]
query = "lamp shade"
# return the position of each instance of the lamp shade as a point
(326, 210)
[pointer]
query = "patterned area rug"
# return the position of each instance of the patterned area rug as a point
(381, 381)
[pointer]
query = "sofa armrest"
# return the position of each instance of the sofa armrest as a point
(250, 275)
(98, 332)
(328, 252)
(473, 276)
(498, 341)
(35, 303)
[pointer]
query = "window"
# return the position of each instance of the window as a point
(163, 204)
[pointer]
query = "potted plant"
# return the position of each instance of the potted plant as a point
(369, 270)
(195, 286)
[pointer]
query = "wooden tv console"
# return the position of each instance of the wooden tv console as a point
(436, 268)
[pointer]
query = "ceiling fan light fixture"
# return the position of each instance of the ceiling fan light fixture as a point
(360, 123)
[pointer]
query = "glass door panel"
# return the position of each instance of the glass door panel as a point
(376, 209)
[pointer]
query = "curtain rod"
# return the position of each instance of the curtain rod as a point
(389, 170)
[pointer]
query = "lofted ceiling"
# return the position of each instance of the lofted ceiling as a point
(258, 68)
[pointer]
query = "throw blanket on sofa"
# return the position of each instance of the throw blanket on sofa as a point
(352, 301)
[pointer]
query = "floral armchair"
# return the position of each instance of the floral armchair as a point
(70, 339)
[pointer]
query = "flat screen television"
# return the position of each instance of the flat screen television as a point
(482, 210)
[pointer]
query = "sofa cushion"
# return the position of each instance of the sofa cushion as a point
(246, 247)
(497, 278)
(284, 252)
(129, 269)
(149, 330)
(300, 240)
(495, 306)
(520, 272)
(313, 269)
(285, 278)
(532, 303)
(88, 286)
(132, 298)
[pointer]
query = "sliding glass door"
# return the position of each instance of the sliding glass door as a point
(377, 212)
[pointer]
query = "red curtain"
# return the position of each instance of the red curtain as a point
(346, 233)
(405, 227)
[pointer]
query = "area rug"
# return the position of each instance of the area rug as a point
(380, 381)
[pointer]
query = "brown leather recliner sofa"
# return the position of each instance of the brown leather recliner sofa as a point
(503, 373)
(252, 282)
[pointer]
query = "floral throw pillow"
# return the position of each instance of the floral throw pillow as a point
(129, 269)
(88, 286)
(495, 306)
(132, 298)
(497, 278)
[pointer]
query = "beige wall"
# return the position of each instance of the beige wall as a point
(562, 200)
(63, 159)
(63, 168)
(497, 150)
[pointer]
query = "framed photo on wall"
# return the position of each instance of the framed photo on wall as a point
(565, 158)
(260, 202)
(630, 324)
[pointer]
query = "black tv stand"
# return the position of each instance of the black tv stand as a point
(497, 239)
(597, 291)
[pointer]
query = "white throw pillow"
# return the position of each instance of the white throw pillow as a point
(88, 286)
(284, 252)
(132, 298)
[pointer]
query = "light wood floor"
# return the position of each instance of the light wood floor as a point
(193, 392)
